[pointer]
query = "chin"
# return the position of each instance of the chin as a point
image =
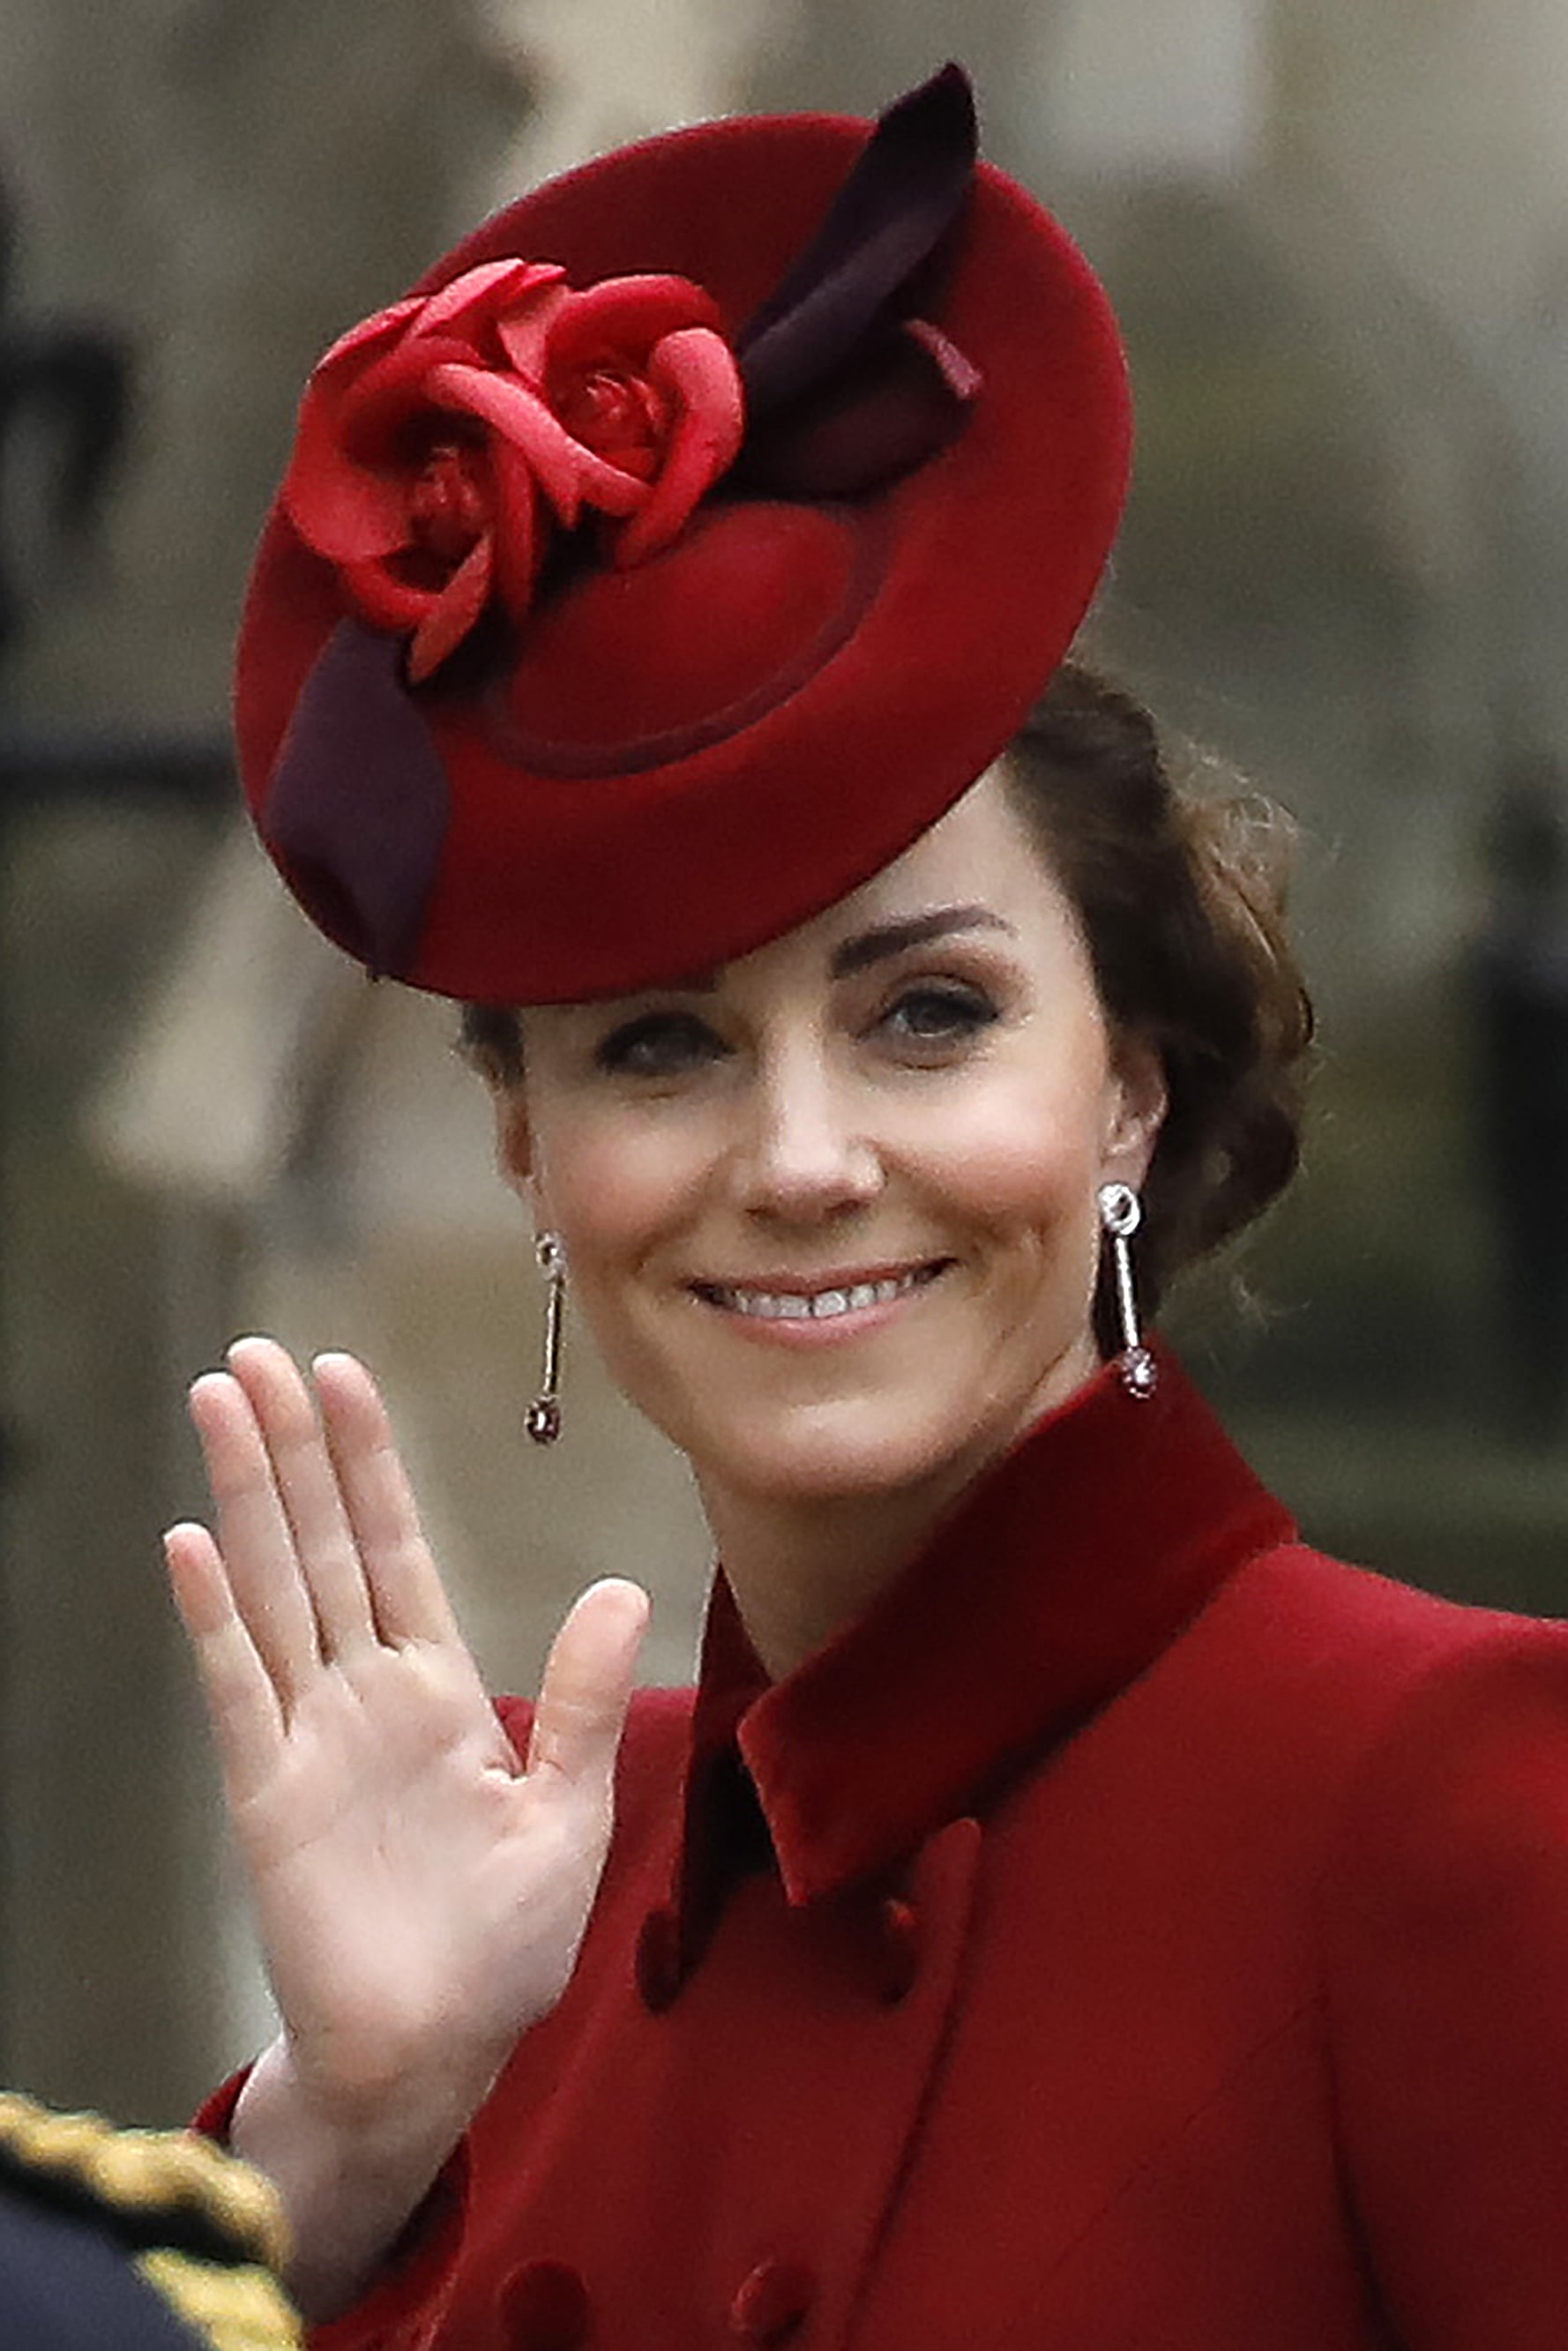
(844, 1452)
(796, 1439)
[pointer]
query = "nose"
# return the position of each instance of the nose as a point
(803, 1155)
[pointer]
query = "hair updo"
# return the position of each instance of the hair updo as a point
(1181, 895)
(1181, 899)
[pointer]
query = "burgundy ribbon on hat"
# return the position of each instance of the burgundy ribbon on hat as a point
(846, 386)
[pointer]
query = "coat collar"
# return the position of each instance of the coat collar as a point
(1061, 1575)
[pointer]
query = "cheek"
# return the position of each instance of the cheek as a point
(612, 1191)
(1028, 1156)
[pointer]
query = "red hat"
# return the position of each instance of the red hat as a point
(677, 552)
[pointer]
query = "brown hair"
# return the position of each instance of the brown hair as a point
(1181, 897)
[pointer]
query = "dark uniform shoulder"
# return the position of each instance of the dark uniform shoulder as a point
(152, 2240)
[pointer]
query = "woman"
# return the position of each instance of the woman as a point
(1068, 1912)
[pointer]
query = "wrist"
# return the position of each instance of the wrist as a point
(351, 2175)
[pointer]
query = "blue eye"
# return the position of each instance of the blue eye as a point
(658, 1045)
(947, 1014)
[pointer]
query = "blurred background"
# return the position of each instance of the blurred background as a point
(1338, 238)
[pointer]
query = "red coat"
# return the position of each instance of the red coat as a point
(1166, 1946)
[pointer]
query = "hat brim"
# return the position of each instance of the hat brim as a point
(569, 869)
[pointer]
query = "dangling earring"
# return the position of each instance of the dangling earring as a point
(542, 1419)
(1121, 1214)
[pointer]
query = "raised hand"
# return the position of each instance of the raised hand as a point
(421, 1890)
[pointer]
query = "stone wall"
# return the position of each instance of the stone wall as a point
(231, 185)
(228, 185)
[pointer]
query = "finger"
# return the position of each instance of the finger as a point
(406, 1593)
(587, 1685)
(246, 1719)
(308, 1489)
(259, 1556)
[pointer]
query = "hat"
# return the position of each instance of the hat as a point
(677, 552)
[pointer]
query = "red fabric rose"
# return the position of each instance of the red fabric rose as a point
(441, 441)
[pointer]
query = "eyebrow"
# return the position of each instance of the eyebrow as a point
(875, 945)
(918, 931)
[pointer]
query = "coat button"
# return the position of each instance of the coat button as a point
(545, 2307)
(659, 1960)
(772, 2304)
(897, 1949)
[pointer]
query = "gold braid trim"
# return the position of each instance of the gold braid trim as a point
(232, 2309)
(204, 2229)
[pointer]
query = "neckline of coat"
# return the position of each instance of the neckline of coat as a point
(1059, 1577)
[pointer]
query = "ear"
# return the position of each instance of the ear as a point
(1135, 1109)
(515, 1144)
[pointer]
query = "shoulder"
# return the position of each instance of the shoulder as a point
(1461, 1787)
(1380, 1722)
(1442, 1923)
(1432, 1738)
(158, 2226)
(1346, 1632)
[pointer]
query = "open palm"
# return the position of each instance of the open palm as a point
(420, 1890)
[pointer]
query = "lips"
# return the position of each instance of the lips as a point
(852, 1294)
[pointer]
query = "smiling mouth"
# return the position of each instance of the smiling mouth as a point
(817, 1305)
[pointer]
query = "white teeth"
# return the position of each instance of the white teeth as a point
(820, 1305)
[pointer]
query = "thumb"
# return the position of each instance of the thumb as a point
(587, 1685)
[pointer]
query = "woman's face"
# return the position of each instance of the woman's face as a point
(831, 1210)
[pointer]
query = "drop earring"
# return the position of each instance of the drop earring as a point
(542, 1419)
(1121, 1214)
